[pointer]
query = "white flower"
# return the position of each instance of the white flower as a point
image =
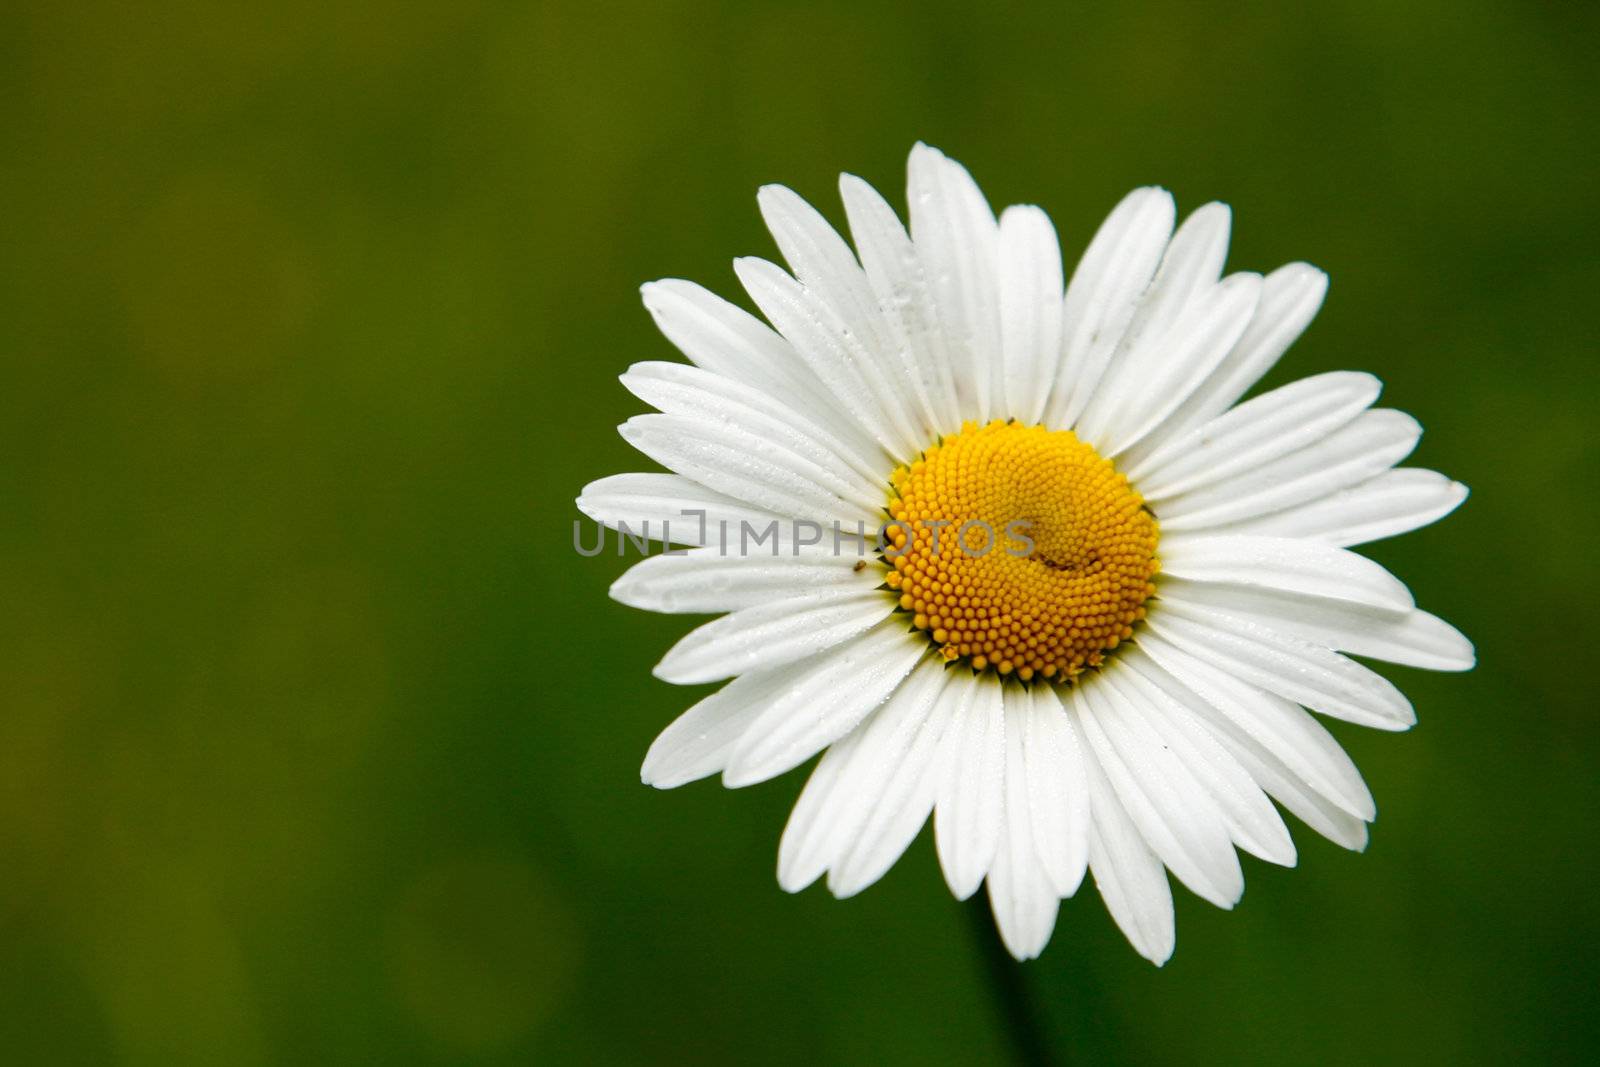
(1119, 681)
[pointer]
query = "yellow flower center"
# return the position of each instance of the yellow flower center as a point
(1021, 548)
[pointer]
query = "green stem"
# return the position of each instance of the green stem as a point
(1011, 990)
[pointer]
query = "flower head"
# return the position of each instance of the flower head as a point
(1012, 553)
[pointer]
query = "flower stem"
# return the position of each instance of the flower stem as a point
(1011, 991)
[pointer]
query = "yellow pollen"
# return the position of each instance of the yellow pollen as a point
(1020, 548)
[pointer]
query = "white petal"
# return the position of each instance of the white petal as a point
(818, 256)
(1252, 821)
(1173, 812)
(1311, 808)
(777, 632)
(1275, 777)
(672, 509)
(1290, 297)
(906, 799)
(1297, 670)
(1415, 638)
(1272, 425)
(1190, 269)
(835, 355)
(852, 778)
(971, 800)
(1281, 781)
(1131, 879)
(1282, 730)
(1373, 442)
(700, 740)
(718, 336)
(1030, 311)
(1104, 291)
(1394, 502)
(677, 389)
(728, 341)
(1020, 893)
(900, 285)
(955, 233)
(825, 266)
(1058, 792)
(709, 580)
(800, 858)
(825, 702)
(1154, 377)
(746, 467)
(1287, 565)
(1021, 897)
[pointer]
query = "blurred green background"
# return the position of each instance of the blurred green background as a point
(318, 743)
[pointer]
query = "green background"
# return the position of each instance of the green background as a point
(319, 744)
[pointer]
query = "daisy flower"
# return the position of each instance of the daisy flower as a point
(1010, 552)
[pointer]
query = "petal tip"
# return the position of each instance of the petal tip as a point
(737, 775)
(624, 591)
(672, 670)
(793, 881)
(775, 195)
